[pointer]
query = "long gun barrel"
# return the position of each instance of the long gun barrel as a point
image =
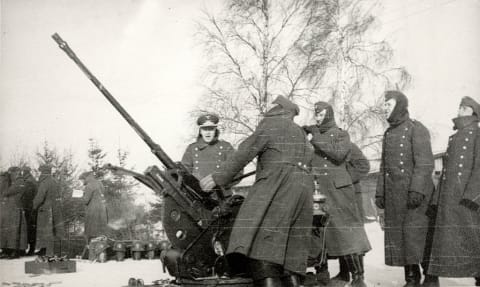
(156, 149)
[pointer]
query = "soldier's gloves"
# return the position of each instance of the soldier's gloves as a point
(380, 202)
(207, 183)
(415, 199)
(470, 204)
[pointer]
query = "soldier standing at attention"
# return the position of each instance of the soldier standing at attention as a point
(96, 218)
(14, 224)
(456, 239)
(4, 184)
(404, 188)
(47, 204)
(206, 154)
(274, 223)
(345, 235)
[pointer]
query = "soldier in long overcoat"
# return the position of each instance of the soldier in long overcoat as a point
(47, 204)
(14, 226)
(404, 187)
(30, 213)
(4, 184)
(456, 240)
(345, 234)
(206, 154)
(96, 217)
(274, 223)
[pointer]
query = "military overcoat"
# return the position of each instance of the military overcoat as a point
(96, 217)
(406, 165)
(456, 241)
(47, 202)
(274, 223)
(345, 233)
(14, 224)
(202, 158)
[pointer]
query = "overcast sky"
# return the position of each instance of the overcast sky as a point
(144, 52)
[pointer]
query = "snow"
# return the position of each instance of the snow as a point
(116, 274)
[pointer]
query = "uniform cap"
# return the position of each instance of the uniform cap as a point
(286, 104)
(14, 169)
(469, 102)
(208, 120)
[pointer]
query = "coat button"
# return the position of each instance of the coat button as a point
(403, 137)
(450, 139)
(299, 163)
(387, 174)
(402, 170)
(470, 132)
(401, 154)
(326, 173)
(196, 155)
(331, 135)
(218, 166)
(325, 165)
(461, 156)
(401, 162)
(459, 174)
(196, 161)
(464, 147)
(324, 157)
(406, 129)
(460, 165)
(196, 148)
(401, 145)
(220, 153)
(466, 139)
(221, 147)
(196, 167)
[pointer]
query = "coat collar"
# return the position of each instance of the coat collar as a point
(464, 122)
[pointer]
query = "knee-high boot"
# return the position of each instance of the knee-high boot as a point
(355, 266)
(412, 275)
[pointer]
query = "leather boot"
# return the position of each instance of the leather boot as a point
(477, 281)
(355, 266)
(268, 282)
(322, 275)
(412, 276)
(430, 281)
(343, 275)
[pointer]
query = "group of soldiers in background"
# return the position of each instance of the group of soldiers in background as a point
(438, 229)
(31, 219)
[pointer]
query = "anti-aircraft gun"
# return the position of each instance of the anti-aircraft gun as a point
(197, 225)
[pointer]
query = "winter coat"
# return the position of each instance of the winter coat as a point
(406, 165)
(202, 159)
(275, 220)
(456, 241)
(345, 233)
(96, 218)
(4, 183)
(48, 203)
(13, 224)
(358, 167)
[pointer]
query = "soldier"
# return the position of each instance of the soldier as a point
(14, 227)
(47, 204)
(205, 155)
(345, 235)
(456, 240)
(4, 184)
(404, 187)
(274, 223)
(96, 218)
(30, 214)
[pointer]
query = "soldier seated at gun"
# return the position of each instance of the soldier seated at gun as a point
(205, 155)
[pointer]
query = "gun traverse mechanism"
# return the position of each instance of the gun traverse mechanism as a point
(196, 224)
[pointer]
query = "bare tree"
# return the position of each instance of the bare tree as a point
(306, 50)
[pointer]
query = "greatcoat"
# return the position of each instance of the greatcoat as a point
(456, 241)
(274, 222)
(406, 166)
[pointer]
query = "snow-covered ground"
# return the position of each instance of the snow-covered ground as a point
(116, 274)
